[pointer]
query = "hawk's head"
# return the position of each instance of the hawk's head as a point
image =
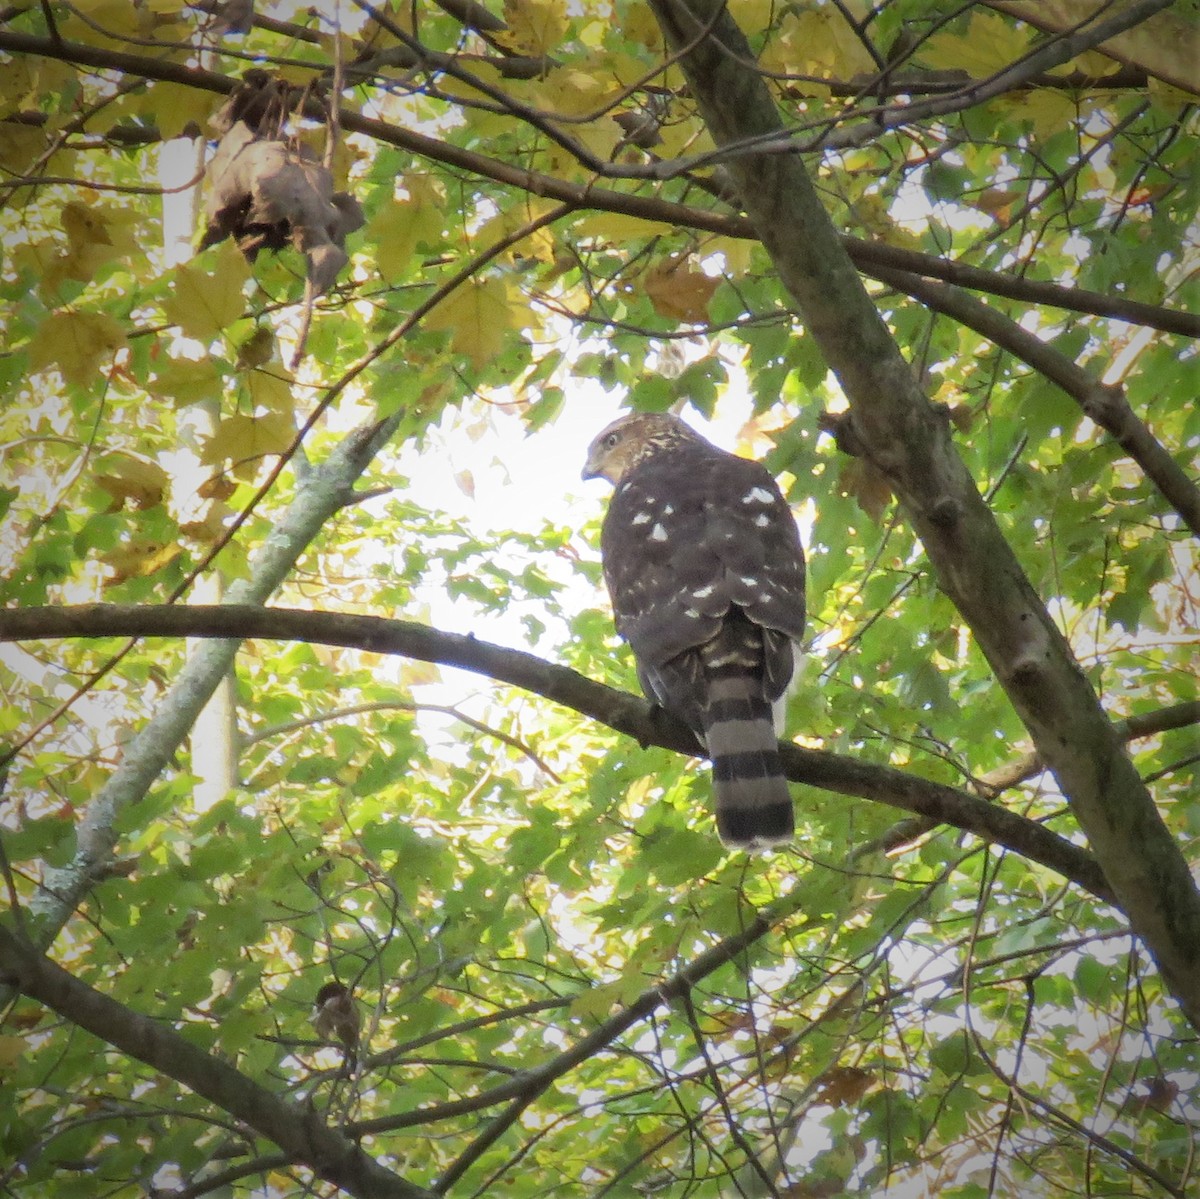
(632, 439)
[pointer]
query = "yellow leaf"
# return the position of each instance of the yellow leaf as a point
(681, 137)
(996, 201)
(172, 107)
(113, 16)
(1163, 45)
(1169, 98)
(871, 213)
(18, 84)
(598, 1002)
(482, 122)
(535, 27)
(680, 292)
(20, 145)
(736, 251)
(418, 674)
(91, 242)
(85, 225)
(616, 227)
(397, 229)
(990, 44)
(867, 485)
(12, 1049)
(186, 381)
(203, 303)
(138, 558)
(478, 317)
(246, 440)
(640, 25)
(125, 477)
(572, 93)
(753, 15)
(1050, 111)
(539, 245)
(272, 389)
(75, 342)
(818, 41)
(600, 137)
(1090, 62)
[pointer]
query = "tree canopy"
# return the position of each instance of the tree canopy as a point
(310, 314)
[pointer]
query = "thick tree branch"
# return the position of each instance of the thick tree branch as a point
(625, 713)
(906, 439)
(1106, 405)
(866, 255)
(299, 1132)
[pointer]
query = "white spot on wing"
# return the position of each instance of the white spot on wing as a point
(704, 592)
(762, 520)
(758, 495)
(658, 533)
(668, 509)
(725, 660)
(749, 580)
(642, 518)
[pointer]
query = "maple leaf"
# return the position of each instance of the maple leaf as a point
(680, 292)
(478, 315)
(75, 342)
(203, 303)
(535, 27)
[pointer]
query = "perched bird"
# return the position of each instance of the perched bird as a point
(335, 1018)
(706, 572)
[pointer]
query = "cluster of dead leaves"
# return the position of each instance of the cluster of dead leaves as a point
(267, 191)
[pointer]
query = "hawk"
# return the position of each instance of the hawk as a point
(706, 573)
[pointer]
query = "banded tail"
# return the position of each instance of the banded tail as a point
(753, 805)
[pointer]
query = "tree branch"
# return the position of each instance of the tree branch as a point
(521, 1091)
(1107, 406)
(1146, 724)
(906, 439)
(618, 710)
(866, 255)
(300, 1133)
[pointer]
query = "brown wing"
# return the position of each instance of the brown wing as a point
(691, 534)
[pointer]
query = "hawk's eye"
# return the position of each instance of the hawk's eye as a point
(610, 442)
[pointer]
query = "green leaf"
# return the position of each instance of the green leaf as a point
(1095, 980)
